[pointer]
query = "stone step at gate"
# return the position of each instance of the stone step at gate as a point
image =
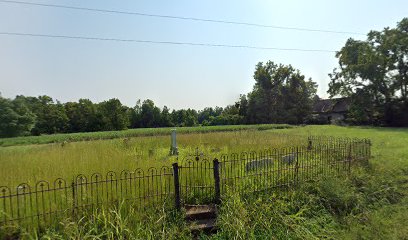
(201, 218)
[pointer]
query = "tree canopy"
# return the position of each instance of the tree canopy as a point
(15, 118)
(374, 74)
(280, 95)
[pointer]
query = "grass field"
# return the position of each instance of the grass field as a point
(75, 137)
(371, 204)
(31, 163)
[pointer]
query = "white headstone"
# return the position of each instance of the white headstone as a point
(173, 147)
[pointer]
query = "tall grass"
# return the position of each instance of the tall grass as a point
(333, 208)
(88, 136)
(329, 209)
(47, 162)
(123, 221)
(371, 204)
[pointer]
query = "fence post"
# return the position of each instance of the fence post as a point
(73, 198)
(349, 158)
(369, 150)
(176, 185)
(297, 166)
(217, 196)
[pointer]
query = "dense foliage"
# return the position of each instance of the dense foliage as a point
(280, 95)
(374, 74)
(15, 118)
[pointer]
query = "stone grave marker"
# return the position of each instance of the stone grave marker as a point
(173, 146)
(258, 164)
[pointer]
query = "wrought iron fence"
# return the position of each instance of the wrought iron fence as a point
(47, 201)
(286, 167)
(198, 179)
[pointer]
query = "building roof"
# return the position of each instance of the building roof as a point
(334, 105)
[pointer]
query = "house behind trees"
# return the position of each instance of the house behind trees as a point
(330, 110)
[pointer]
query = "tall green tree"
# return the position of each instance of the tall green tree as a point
(16, 119)
(82, 116)
(165, 118)
(114, 115)
(280, 95)
(50, 116)
(203, 116)
(229, 116)
(135, 115)
(242, 105)
(190, 118)
(150, 114)
(374, 74)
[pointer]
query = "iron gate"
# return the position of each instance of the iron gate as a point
(196, 181)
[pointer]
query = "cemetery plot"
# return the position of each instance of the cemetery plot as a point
(196, 179)
(286, 167)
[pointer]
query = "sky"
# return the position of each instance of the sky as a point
(177, 76)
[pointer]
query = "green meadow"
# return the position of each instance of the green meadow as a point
(138, 132)
(371, 203)
(31, 163)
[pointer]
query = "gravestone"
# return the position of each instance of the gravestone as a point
(289, 159)
(258, 164)
(173, 146)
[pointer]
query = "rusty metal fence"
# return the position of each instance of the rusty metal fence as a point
(193, 181)
(287, 167)
(47, 201)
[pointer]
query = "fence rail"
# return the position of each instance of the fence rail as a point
(46, 201)
(286, 167)
(195, 180)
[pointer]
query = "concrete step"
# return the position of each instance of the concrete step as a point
(198, 212)
(203, 225)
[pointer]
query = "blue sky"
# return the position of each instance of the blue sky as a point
(175, 76)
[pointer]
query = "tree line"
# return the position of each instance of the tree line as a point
(280, 95)
(372, 73)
